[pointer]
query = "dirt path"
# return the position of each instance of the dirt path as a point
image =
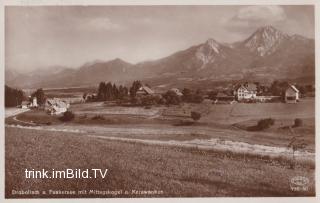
(14, 111)
(19, 121)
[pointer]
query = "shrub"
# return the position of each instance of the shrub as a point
(149, 100)
(192, 97)
(67, 116)
(195, 115)
(198, 98)
(265, 123)
(171, 98)
(297, 122)
(162, 101)
(136, 101)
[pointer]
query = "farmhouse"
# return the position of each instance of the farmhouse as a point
(28, 104)
(145, 90)
(245, 91)
(291, 94)
(25, 104)
(177, 91)
(56, 106)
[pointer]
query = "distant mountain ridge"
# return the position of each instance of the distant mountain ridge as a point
(266, 55)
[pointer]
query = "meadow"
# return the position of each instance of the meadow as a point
(134, 166)
(161, 148)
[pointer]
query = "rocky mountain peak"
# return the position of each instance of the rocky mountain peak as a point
(213, 44)
(209, 52)
(265, 40)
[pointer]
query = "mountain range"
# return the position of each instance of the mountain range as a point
(266, 55)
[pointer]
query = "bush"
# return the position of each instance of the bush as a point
(149, 100)
(195, 115)
(198, 98)
(67, 116)
(297, 122)
(265, 123)
(192, 97)
(171, 98)
(136, 101)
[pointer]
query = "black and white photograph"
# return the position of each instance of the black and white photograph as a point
(159, 101)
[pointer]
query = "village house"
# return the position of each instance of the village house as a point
(56, 106)
(25, 104)
(28, 104)
(177, 91)
(145, 90)
(223, 98)
(245, 91)
(291, 94)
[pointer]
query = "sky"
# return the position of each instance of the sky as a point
(40, 37)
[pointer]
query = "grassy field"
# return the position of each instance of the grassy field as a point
(178, 172)
(218, 121)
(175, 170)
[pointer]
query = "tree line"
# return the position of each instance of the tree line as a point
(13, 97)
(109, 91)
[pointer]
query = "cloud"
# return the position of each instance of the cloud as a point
(254, 16)
(260, 13)
(249, 18)
(103, 23)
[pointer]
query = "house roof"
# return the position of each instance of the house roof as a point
(294, 88)
(146, 89)
(251, 87)
(57, 103)
(247, 86)
(241, 87)
(177, 91)
(25, 103)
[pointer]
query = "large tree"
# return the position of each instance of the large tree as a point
(277, 88)
(101, 91)
(39, 94)
(134, 88)
(172, 98)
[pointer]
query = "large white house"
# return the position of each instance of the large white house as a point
(56, 106)
(246, 91)
(29, 104)
(291, 94)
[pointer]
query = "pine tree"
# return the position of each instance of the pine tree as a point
(134, 88)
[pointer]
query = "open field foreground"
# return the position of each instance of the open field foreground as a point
(161, 149)
(174, 171)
